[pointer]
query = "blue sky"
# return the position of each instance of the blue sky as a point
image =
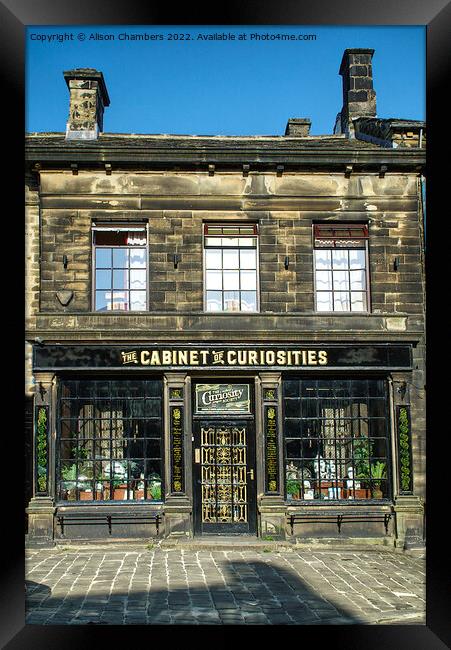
(221, 87)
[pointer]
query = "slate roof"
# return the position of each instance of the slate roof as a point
(165, 149)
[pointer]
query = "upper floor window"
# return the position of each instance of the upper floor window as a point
(230, 264)
(341, 267)
(120, 267)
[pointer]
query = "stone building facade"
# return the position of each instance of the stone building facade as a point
(226, 332)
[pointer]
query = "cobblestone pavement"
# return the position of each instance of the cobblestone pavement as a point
(140, 585)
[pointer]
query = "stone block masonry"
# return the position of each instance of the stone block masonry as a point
(283, 233)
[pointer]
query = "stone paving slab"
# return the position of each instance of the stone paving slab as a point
(255, 585)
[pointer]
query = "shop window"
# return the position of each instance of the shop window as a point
(110, 440)
(336, 439)
(341, 267)
(120, 267)
(231, 268)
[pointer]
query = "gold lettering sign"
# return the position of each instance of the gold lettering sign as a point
(176, 445)
(271, 449)
(235, 357)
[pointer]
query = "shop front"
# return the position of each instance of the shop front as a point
(163, 440)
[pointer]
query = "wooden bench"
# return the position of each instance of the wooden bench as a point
(89, 518)
(339, 517)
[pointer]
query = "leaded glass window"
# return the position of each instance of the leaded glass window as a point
(336, 439)
(110, 440)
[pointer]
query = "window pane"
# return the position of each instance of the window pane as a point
(103, 258)
(231, 280)
(324, 301)
(103, 300)
(213, 280)
(358, 280)
(230, 259)
(120, 279)
(358, 301)
(341, 280)
(103, 279)
(213, 259)
(357, 259)
(324, 280)
(138, 280)
(110, 238)
(138, 300)
(248, 259)
(247, 241)
(341, 301)
(120, 257)
(137, 258)
(214, 301)
(323, 259)
(231, 300)
(230, 230)
(120, 300)
(340, 259)
(230, 241)
(135, 238)
(249, 301)
(248, 280)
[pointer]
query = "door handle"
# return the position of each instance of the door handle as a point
(197, 455)
(251, 474)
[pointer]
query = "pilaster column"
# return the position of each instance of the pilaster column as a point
(271, 503)
(408, 507)
(178, 445)
(41, 508)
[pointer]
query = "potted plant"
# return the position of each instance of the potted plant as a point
(362, 466)
(293, 489)
(68, 484)
(119, 489)
(155, 491)
(139, 491)
(378, 472)
(84, 482)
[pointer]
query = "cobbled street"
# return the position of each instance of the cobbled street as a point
(157, 586)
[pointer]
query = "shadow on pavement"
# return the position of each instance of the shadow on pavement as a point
(252, 593)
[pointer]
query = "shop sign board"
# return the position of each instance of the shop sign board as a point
(214, 357)
(222, 398)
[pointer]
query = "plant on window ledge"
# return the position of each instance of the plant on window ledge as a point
(293, 488)
(378, 472)
(155, 491)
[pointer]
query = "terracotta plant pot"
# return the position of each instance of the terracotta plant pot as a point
(120, 493)
(86, 495)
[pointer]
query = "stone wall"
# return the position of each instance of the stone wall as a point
(285, 208)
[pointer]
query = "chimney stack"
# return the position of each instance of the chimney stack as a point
(359, 98)
(298, 126)
(88, 99)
